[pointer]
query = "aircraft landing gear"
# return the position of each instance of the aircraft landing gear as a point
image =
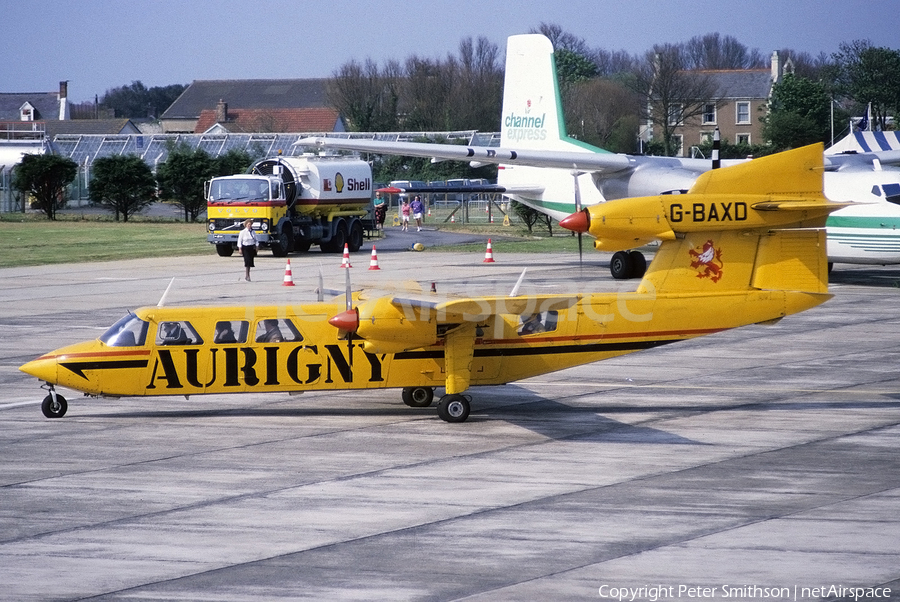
(54, 405)
(418, 397)
(454, 408)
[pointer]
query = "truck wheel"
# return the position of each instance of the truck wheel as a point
(285, 242)
(356, 236)
(225, 250)
(336, 244)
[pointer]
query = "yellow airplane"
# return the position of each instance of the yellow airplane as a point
(745, 245)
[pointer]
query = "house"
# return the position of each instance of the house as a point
(252, 105)
(77, 127)
(35, 106)
(742, 99)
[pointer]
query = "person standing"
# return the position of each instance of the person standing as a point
(247, 245)
(380, 211)
(418, 211)
(404, 215)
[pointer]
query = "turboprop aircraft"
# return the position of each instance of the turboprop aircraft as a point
(538, 160)
(744, 245)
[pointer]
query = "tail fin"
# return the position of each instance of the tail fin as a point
(532, 115)
(754, 226)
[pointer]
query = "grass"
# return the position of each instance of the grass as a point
(39, 242)
(32, 239)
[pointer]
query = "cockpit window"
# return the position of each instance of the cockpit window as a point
(277, 331)
(539, 322)
(177, 333)
(130, 331)
(892, 192)
(231, 331)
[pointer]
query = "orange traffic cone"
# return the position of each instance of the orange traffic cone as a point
(288, 277)
(453, 219)
(373, 263)
(489, 253)
(345, 262)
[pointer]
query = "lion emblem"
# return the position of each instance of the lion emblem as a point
(708, 261)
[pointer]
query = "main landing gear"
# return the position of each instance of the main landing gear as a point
(451, 408)
(54, 405)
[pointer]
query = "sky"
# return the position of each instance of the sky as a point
(101, 44)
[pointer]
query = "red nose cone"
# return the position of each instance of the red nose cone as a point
(346, 320)
(577, 222)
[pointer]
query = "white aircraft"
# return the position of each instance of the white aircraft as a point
(539, 165)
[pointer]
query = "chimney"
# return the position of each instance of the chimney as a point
(221, 111)
(63, 100)
(776, 67)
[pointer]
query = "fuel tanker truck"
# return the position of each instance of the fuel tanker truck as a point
(294, 202)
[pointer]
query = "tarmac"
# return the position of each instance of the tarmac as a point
(756, 464)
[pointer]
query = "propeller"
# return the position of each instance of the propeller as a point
(575, 175)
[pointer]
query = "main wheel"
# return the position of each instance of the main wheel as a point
(418, 397)
(225, 249)
(453, 408)
(620, 265)
(54, 409)
(638, 264)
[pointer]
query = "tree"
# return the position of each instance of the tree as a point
(45, 177)
(871, 74)
(799, 113)
(182, 178)
(366, 96)
(604, 113)
(135, 100)
(532, 216)
(711, 51)
(477, 86)
(123, 184)
(671, 95)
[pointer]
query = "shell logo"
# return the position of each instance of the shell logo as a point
(339, 182)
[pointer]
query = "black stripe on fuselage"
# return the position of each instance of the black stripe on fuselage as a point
(79, 367)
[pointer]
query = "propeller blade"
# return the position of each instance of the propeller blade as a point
(575, 175)
(349, 291)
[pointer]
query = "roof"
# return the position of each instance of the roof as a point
(742, 83)
(248, 94)
(272, 120)
(90, 126)
(46, 104)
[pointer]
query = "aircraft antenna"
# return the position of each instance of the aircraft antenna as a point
(162, 300)
(320, 292)
(515, 290)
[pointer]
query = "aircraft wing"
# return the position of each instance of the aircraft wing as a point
(583, 161)
(480, 308)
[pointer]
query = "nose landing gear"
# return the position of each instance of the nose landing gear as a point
(54, 405)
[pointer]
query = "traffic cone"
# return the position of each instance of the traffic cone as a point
(373, 263)
(489, 253)
(288, 277)
(345, 262)
(453, 219)
(429, 212)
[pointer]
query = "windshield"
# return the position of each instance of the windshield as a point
(239, 189)
(130, 331)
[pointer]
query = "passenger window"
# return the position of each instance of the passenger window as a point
(177, 333)
(277, 331)
(231, 331)
(536, 323)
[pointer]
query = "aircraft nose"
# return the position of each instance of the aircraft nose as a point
(346, 320)
(579, 221)
(41, 368)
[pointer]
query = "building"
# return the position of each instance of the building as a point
(742, 98)
(253, 105)
(35, 106)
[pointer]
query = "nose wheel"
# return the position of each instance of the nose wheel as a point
(54, 405)
(454, 408)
